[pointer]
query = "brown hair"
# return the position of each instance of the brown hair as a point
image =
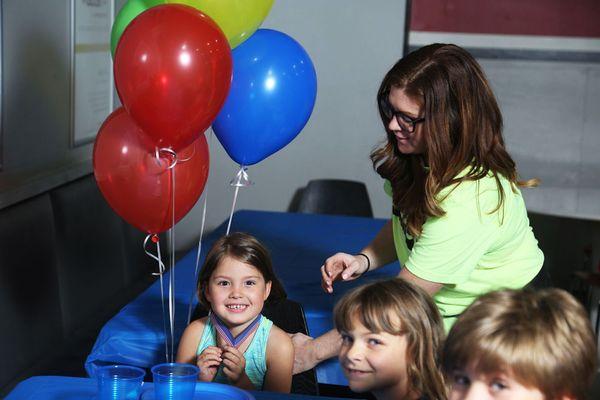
(543, 339)
(244, 248)
(462, 128)
(379, 305)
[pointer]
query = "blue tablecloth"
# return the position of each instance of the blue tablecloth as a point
(298, 244)
(67, 388)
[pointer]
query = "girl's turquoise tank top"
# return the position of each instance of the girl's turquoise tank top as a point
(255, 354)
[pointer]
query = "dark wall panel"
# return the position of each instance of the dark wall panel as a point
(29, 291)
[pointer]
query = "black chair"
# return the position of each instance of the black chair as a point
(289, 316)
(334, 196)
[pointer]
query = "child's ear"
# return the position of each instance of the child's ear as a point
(267, 289)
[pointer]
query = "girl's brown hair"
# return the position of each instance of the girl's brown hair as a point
(244, 248)
(379, 305)
(542, 339)
(462, 129)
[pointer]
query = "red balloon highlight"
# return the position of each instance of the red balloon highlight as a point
(172, 70)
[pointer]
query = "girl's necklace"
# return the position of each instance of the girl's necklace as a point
(225, 334)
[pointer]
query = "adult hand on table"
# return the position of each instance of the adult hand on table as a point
(308, 352)
(304, 352)
(342, 266)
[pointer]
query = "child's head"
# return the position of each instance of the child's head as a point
(521, 344)
(391, 335)
(237, 278)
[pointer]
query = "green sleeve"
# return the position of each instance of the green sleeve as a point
(387, 187)
(450, 247)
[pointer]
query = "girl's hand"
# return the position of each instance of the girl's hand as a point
(208, 361)
(342, 266)
(234, 365)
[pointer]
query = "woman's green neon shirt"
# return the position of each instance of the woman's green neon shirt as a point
(472, 249)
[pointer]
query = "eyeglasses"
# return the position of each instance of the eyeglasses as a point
(407, 124)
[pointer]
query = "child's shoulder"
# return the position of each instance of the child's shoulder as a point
(279, 341)
(278, 333)
(190, 340)
(196, 326)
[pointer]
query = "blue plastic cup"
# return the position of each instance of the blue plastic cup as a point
(175, 381)
(119, 382)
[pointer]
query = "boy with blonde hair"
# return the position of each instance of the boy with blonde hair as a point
(521, 344)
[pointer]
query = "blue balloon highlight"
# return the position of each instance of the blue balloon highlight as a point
(272, 96)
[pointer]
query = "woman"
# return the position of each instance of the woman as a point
(459, 226)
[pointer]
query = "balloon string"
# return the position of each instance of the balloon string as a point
(237, 189)
(196, 271)
(169, 354)
(171, 153)
(199, 251)
(172, 274)
(191, 155)
(241, 180)
(161, 270)
(173, 162)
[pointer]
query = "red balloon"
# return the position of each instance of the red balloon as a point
(173, 71)
(137, 184)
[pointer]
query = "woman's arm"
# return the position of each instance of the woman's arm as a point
(280, 360)
(430, 287)
(308, 352)
(381, 250)
(342, 266)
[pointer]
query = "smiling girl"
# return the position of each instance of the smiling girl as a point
(391, 336)
(235, 344)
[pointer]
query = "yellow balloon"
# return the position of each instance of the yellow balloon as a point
(238, 19)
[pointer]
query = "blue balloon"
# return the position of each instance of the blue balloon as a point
(272, 95)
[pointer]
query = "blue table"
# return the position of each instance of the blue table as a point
(298, 243)
(67, 388)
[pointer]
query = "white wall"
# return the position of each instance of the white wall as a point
(552, 128)
(352, 44)
(551, 111)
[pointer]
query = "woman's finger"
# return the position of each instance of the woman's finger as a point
(324, 275)
(333, 268)
(330, 264)
(352, 271)
(325, 281)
